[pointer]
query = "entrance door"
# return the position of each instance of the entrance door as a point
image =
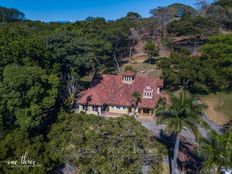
(145, 112)
(105, 108)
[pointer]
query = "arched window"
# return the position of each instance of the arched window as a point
(148, 92)
(128, 77)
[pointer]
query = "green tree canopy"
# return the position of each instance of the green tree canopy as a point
(27, 94)
(133, 16)
(211, 72)
(15, 144)
(72, 52)
(10, 14)
(97, 145)
(218, 53)
(182, 10)
(224, 3)
(221, 12)
(193, 25)
(152, 50)
(216, 151)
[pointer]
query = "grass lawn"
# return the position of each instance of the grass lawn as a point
(219, 106)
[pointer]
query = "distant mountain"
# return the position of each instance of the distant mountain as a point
(63, 22)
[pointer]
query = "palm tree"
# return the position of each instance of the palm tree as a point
(184, 112)
(216, 151)
(136, 97)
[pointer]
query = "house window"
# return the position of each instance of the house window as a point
(85, 108)
(127, 79)
(148, 92)
(119, 107)
(95, 108)
(158, 90)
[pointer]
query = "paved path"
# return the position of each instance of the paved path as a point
(157, 128)
(151, 125)
(213, 125)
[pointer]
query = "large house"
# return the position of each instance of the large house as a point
(113, 94)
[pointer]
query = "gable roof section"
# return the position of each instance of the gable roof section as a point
(128, 73)
(111, 90)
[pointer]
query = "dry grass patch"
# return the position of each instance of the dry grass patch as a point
(219, 107)
(144, 69)
(138, 63)
(165, 168)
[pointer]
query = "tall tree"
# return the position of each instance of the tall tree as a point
(152, 50)
(218, 52)
(185, 111)
(10, 14)
(193, 26)
(136, 97)
(75, 55)
(181, 10)
(133, 16)
(216, 151)
(202, 6)
(224, 3)
(222, 13)
(164, 15)
(213, 72)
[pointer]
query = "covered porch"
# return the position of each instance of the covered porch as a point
(104, 110)
(90, 109)
(146, 112)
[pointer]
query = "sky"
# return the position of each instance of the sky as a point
(72, 10)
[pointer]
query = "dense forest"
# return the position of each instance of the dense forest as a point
(44, 66)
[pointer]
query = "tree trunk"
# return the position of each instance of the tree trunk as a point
(116, 62)
(164, 32)
(135, 106)
(175, 155)
(218, 170)
(130, 52)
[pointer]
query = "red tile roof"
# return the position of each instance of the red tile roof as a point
(129, 73)
(111, 90)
